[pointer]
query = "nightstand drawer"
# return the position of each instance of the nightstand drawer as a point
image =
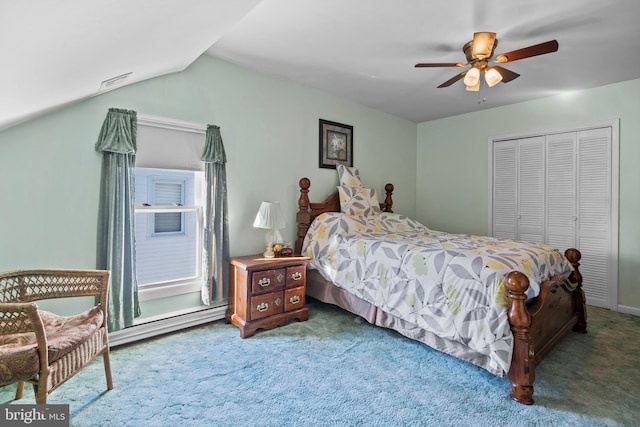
(296, 276)
(267, 280)
(294, 298)
(266, 305)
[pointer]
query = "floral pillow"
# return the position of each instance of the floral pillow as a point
(348, 176)
(360, 201)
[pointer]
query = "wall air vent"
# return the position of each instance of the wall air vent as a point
(114, 81)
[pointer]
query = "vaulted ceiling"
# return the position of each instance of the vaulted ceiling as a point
(55, 53)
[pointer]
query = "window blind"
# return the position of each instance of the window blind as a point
(178, 145)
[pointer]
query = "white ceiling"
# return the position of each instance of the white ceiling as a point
(58, 52)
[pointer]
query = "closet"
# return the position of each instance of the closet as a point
(561, 188)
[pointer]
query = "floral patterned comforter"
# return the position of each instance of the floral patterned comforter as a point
(449, 284)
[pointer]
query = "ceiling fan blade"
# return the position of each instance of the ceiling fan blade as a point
(439, 64)
(453, 79)
(507, 75)
(528, 52)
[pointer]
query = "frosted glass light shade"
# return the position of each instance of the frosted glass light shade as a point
(269, 216)
(472, 77)
(475, 88)
(483, 44)
(492, 77)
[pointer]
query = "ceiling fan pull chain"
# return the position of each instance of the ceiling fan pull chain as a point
(483, 99)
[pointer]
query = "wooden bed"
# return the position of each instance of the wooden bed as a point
(537, 324)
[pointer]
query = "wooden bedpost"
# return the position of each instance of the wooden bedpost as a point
(387, 206)
(574, 256)
(303, 218)
(522, 372)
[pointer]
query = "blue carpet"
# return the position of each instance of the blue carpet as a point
(337, 370)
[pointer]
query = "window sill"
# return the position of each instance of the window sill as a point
(170, 289)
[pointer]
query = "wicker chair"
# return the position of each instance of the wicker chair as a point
(43, 348)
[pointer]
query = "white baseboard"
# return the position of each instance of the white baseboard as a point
(166, 325)
(629, 310)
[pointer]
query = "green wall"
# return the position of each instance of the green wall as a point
(50, 173)
(452, 153)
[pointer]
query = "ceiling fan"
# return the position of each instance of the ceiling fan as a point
(479, 53)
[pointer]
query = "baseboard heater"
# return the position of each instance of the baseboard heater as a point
(151, 328)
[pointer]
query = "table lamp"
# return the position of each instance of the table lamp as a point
(269, 216)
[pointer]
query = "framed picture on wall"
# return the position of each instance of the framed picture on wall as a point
(336, 144)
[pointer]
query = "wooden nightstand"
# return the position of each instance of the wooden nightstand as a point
(266, 292)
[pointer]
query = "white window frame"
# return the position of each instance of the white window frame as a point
(171, 288)
(152, 181)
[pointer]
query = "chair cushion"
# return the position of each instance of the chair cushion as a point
(64, 334)
(17, 362)
(19, 352)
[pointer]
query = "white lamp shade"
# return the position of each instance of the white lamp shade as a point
(492, 77)
(269, 216)
(472, 77)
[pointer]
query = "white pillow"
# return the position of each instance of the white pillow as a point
(360, 201)
(348, 176)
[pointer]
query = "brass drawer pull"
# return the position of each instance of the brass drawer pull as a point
(263, 307)
(294, 299)
(296, 276)
(264, 282)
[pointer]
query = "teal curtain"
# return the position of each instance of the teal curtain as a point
(215, 288)
(116, 244)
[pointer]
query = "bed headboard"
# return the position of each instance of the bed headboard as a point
(308, 211)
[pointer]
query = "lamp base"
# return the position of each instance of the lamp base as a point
(268, 254)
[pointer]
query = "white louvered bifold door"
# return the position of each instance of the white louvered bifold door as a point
(531, 189)
(561, 190)
(505, 191)
(594, 214)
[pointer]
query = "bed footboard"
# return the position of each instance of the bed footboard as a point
(537, 327)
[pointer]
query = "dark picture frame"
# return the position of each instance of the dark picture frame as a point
(336, 144)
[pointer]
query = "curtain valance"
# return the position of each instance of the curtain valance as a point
(118, 132)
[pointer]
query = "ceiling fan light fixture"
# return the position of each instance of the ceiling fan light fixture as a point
(492, 76)
(472, 78)
(483, 44)
(479, 54)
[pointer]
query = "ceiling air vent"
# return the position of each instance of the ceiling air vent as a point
(114, 81)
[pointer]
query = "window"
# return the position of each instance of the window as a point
(168, 226)
(167, 193)
(169, 200)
